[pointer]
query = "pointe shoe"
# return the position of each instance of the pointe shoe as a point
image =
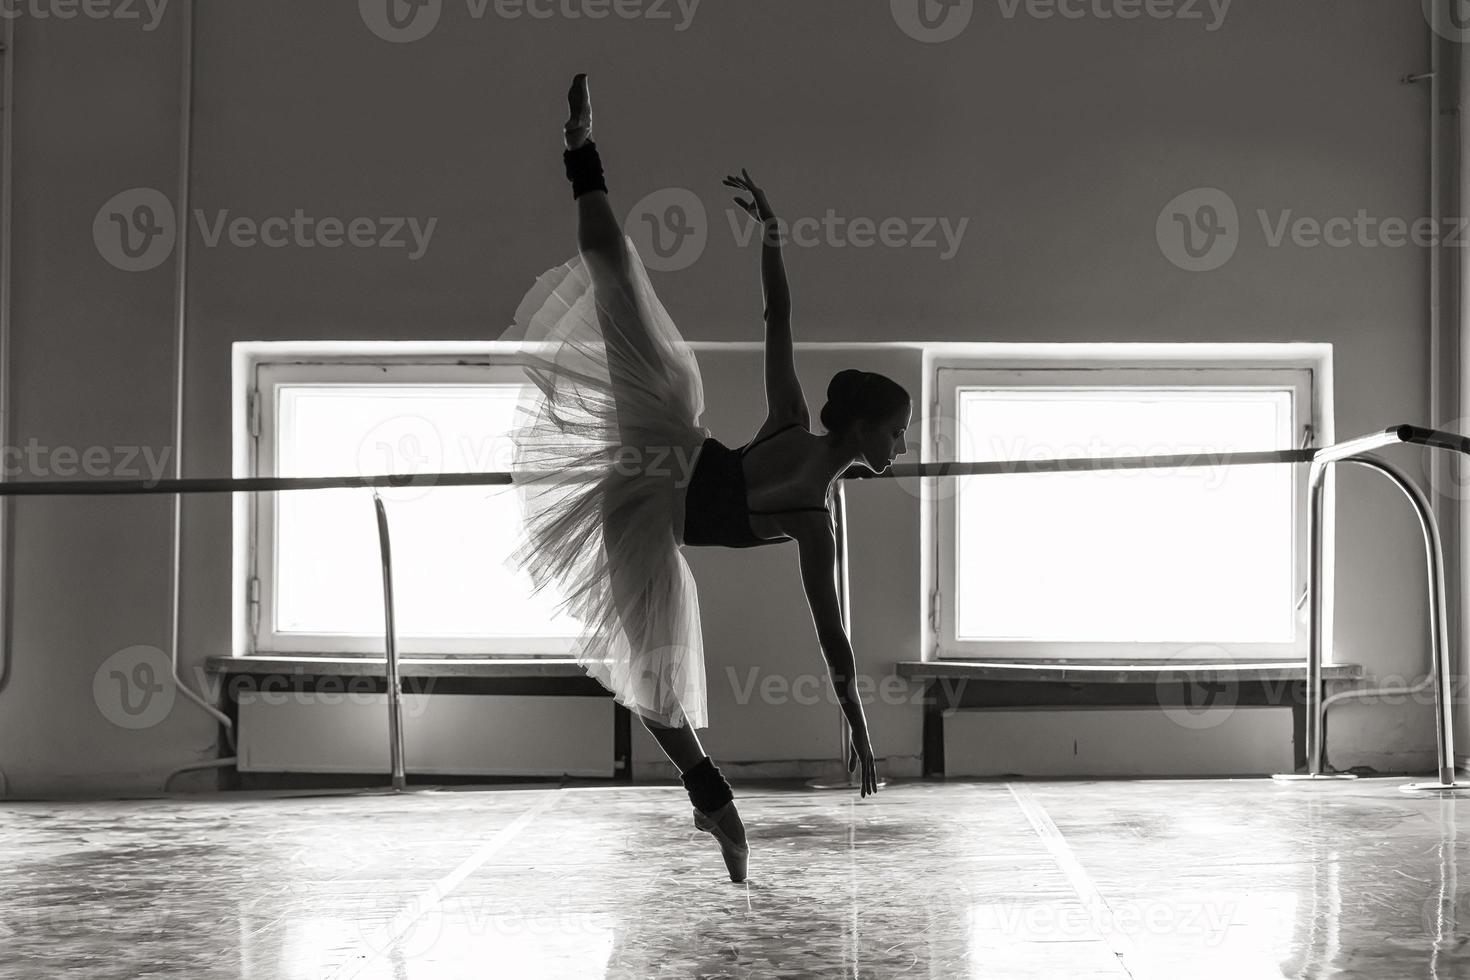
(578, 129)
(724, 824)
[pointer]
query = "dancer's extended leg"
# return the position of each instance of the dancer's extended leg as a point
(631, 355)
(630, 350)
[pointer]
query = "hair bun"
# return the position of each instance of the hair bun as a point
(846, 386)
(844, 398)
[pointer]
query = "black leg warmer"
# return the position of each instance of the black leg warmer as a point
(584, 169)
(708, 790)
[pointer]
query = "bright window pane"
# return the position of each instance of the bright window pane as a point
(448, 542)
(1170, 555)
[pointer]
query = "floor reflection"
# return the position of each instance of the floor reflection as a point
(1206, 878)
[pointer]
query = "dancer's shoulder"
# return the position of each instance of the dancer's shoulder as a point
(774, 425)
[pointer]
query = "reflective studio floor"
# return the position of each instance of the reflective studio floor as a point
(1168, 878)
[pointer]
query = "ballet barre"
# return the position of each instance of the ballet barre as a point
(264, 484)
(1320, 460)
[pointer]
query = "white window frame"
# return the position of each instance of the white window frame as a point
(950, 378)
(260, 413)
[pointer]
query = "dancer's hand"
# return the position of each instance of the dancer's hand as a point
(757, 207)
(862, 753)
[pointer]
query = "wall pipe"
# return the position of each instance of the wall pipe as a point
(1449, 92)
(7, 168)
(181, 331)
(1449, 372)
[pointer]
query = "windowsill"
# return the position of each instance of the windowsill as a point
(407, 666)
(991, 670)
(1122, 673)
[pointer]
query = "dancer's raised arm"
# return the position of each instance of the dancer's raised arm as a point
(784, 397)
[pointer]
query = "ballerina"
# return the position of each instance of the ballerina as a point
(621, 395)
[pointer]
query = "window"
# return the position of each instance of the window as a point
(316, 584)
(1207, 562)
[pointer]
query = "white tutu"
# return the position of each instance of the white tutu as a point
(603, 519)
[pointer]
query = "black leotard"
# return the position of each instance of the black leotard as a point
(716, 511)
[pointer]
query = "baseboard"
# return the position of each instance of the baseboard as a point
(1118, 743)
(896, 767)
(1462, 765)
(443, 734)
